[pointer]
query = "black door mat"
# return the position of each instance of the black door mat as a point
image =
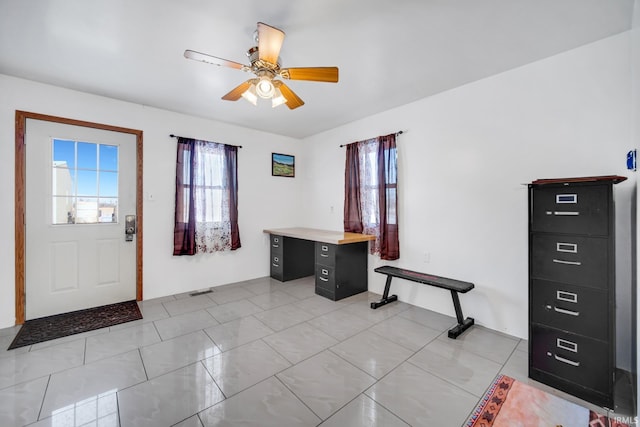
(76, 322)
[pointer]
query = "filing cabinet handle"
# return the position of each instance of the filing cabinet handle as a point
(275, 265)
(561, 261)
(323, 279)
(324, 255)
(567, 361)
(571, 248)
(275, 246)
(563, 311)
(567, 296)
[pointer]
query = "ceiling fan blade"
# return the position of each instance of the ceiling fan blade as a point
(293, 101)
(269, 42)
(314, 74)
(237, 91)
(203, 57)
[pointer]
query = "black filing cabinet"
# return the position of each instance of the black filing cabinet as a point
(572, 286)
(341, 270)
(291, 258)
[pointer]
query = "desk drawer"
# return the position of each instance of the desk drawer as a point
(571, 209)
(570, 259)
(326, 254)
(572, 357)
(277, 269)
(571, 308)
(277, 243)
(325, 278)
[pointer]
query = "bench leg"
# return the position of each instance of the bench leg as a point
(463, 324)
(386, 299)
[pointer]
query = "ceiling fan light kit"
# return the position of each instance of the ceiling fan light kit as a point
(265, 64)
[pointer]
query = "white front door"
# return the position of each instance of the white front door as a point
(80, 186)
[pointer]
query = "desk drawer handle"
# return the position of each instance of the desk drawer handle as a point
(563, 311)
(566, 213)
(275, 265)
(323, 279)
(567, 361)
(561, 261)
(275, 246)
(324, 255)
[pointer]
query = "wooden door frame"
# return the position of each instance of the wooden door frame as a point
(20, 199)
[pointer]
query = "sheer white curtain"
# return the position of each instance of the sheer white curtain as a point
(213, 226)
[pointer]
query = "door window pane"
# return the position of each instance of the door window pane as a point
(86, 210)
(63, 210)
(108, 157)
(108, 184)
(64, 154)
(87, 155)
(84, 182)
(88, 183)
(108, 210)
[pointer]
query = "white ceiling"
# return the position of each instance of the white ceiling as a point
(390, 52)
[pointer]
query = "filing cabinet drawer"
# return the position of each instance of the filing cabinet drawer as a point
(571, 209)
(277, 243)
(573, 357)
(325, 278)
(276, 267)
(326, 254)
(570, 259)
(571, 308)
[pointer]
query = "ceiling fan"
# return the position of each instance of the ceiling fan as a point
(265, 64)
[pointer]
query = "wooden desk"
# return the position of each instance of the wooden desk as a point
(338, 259)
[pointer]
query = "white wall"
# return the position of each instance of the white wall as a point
(261, 196)
(463, 163)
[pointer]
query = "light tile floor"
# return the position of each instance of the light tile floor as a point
(260, 353)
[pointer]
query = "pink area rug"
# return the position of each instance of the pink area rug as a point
(510, 403)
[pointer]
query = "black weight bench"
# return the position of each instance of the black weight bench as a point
(453, 285)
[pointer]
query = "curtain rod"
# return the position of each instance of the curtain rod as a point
(400, 132)
(176, 136)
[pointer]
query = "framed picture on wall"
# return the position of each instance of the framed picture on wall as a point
(283, 165)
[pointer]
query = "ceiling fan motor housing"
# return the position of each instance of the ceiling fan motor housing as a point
(258, 64)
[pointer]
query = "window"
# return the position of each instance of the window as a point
(206, 216)
(371, 193)
(84, 182)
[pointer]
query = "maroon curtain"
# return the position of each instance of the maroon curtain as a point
(184, 231)
(384, 169)
(231, 168)
(184, 235)
(352, 211)
(387, 197)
